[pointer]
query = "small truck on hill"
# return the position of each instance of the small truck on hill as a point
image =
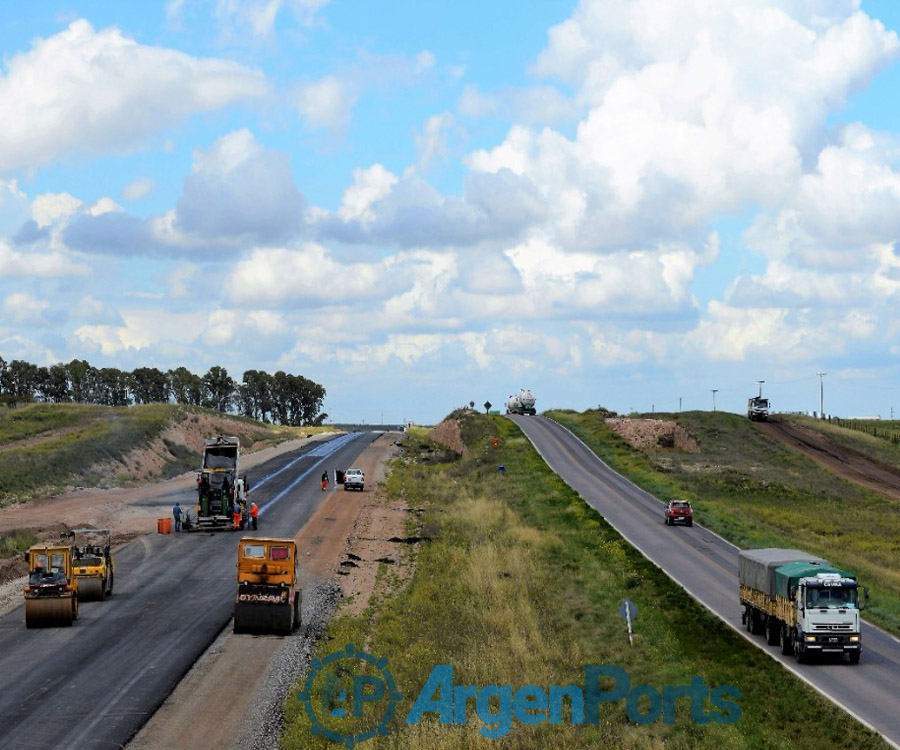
(521, 404)
(801, 602)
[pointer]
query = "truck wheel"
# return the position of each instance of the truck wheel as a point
(773, 635)
(854, 657)
(799, 651)
(786, 646)
(748, 619)
(757, 626)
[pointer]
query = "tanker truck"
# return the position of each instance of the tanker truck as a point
(521, 404)
(801, 602)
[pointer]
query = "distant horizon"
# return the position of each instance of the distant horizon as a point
(624, 203)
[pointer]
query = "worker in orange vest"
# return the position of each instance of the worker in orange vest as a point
(236, 516)
(254, 512)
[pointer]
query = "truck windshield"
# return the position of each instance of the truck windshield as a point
(831, 597)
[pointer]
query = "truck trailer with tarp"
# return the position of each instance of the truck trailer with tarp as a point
(801, 602)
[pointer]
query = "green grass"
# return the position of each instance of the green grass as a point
(45, 448)
(520, 585)
(756, 492)
(14, 543)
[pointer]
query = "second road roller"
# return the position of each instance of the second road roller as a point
(93, 563)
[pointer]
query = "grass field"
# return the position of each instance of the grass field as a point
(520, 584)
(755, 492)
(45, 448)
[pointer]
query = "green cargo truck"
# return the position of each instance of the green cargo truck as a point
(801, 602)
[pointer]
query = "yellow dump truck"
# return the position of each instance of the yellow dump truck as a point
(268, 595)
(93, 564)
(51, 596)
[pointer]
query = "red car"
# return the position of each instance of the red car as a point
(678, 511)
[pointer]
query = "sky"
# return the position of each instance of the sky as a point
(645, 205)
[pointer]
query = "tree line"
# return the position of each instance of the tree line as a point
(281, 398)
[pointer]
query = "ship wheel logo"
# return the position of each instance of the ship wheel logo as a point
(355, 693)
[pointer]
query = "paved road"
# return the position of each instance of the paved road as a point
(92, 686)
(706, 566)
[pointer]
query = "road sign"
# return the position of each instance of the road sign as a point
(628, 610)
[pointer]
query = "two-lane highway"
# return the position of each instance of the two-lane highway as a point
(706, 566)
(93, 685)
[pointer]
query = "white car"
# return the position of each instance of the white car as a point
(354, 479)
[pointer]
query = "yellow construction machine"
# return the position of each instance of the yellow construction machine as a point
(268, 596)
(51, 596)
(93, 564)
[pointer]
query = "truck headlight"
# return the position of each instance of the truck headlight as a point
(810, 639)
(854, 639)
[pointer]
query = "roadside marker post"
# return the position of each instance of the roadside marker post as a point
(628, 611)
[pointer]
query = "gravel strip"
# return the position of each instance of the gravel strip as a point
(264, 730)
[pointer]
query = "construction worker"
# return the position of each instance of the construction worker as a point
(236, 517)
(254, 512)
(324, 481)
(176, 513)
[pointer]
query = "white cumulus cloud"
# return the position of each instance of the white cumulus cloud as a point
(97, 92)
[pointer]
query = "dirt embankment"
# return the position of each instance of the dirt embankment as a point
(653, 434)
(448, 433)
(844, 462)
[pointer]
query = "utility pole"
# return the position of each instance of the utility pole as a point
(714, 391)
(821, 394)
(679, 403)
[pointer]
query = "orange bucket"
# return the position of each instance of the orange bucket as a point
(164, 526)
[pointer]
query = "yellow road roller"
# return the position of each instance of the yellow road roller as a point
(93, 564)
(51, 596)
(268, 596)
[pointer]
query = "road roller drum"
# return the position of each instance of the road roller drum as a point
(49, 612)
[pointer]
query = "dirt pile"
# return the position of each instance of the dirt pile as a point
(653, 434)
(448, 433)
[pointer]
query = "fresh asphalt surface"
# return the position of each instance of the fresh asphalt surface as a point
(707, 566)
(93, 685)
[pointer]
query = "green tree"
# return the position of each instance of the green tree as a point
(81, 376)
(219, 389)
(149, 386)
(185, 386)
(110, 387)
(56, 387)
